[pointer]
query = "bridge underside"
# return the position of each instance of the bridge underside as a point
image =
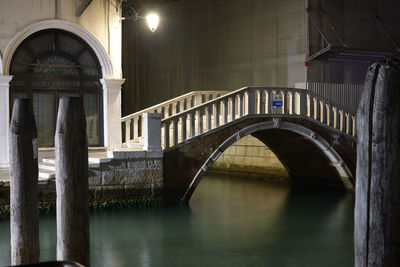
(307, 164)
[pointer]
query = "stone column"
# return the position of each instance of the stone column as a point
(152, 131)
(112, 112)
(4, 118)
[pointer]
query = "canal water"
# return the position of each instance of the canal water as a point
(229, 222)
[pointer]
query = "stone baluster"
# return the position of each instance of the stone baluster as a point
(312, 103)
(241, 104)
(185, 104)
(127, 130)
(209, 117)
(200, 120)
(259, 103)
(175, 130)
(193, 124)
(268, 102)
(317, 109)
(198, 99)
(348, 121)
(183, 127)
(217, 112)
(182, 105)
(166, 134)
(233, 104)
(324, 116)
(135, 128)
(174, 105)
(343, 121)
(226, 110)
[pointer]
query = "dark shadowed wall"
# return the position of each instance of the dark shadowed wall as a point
(228, 44)
(355, 24)
(213, 44)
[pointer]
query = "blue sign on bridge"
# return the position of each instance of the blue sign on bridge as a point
(277, 103)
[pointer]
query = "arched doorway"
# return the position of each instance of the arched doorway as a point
(53, 63)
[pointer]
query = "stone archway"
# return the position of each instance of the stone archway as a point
(185, 163)
(91, 40)
(335, 160)
(51, 64)
(110, 81)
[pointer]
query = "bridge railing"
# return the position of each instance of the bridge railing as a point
(131, 124)
(290, 102)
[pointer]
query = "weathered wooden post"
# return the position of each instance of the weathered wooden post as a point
(23, 151)
(377, 209)
(71, 149)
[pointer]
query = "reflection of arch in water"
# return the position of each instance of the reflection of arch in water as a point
(306, 134)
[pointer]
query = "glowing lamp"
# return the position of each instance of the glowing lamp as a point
(152, 21)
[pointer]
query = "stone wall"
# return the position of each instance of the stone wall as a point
(123, 175)
(128, 175)
(249, 157)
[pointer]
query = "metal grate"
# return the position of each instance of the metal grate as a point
(347, 95)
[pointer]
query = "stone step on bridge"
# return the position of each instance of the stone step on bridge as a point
(313, 137)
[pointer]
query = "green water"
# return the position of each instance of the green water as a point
(229, 222)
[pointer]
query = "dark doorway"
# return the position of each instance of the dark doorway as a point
(51, 64)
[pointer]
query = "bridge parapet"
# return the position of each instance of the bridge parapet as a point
(132, 124)
(287, 102)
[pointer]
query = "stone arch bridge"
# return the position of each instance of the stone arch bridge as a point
(311, 136)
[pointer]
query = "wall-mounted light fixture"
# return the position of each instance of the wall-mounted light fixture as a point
(129, 13)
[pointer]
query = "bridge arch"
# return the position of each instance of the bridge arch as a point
(307, 134)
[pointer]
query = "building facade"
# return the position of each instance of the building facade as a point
(55, 48)
(229, 44)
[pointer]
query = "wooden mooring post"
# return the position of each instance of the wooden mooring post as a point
(23, 154)
(71, 149)
(377, 208)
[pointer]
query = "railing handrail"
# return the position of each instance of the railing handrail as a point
(217, 110)
(168, 102)
(228, 95)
